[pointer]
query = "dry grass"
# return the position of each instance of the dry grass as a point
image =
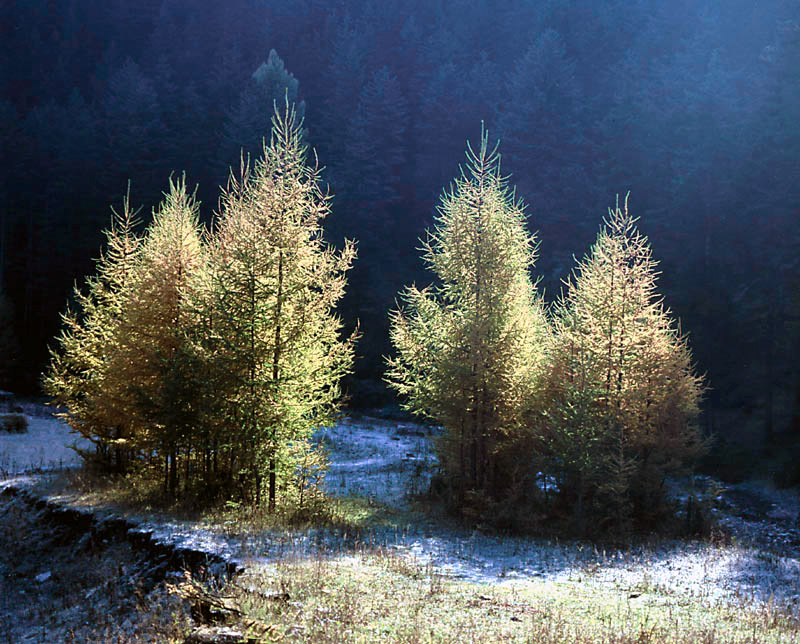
(143, 498)
(357, 592)
(375, 595)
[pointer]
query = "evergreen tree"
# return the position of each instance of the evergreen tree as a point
(376, 141)
(134, 130)
(80, 376)
(454, 98)
(623, 394)
(344, 78)
(470, 351)
(540, 120)
(152, 362)
(274, 353)
(247, 122)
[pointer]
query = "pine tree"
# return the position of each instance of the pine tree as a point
(345, 75)
(376, 140)
(452, 100)
(470, 351)
(248, 121)
(539, 119)
(624, 393)
(133, 129)
(274, 349)
(80, 375)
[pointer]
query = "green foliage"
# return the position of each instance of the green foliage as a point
(471, 350)
(272, 349)
(604, 398)
(376, 141)
(80, 375)
(248, 120)
(623, 394)
(215, 358)
(152, 364)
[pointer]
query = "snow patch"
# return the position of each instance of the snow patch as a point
(45, 446)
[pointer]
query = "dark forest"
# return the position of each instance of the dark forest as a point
(693, 107)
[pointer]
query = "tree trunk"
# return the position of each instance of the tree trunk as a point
(276, 357)
(579, 522)
(173, 471)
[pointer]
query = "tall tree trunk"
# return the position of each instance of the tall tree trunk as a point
(173, 471)
(166, 471)
(275, 375)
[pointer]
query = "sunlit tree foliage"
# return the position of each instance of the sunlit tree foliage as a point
(623, 392)
(470, 349)
(152, 363)
(273, 351)
(80, 375)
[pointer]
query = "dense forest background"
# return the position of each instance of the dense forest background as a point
(692, 106)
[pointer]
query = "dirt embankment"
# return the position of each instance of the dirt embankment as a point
(72, 576)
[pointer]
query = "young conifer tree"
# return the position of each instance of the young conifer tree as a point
(153, 361)
(470, 350)
(623, 391)
(80, 376)
(273, 346)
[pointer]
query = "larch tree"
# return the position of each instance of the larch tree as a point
(470, 350)
(80, 376)
(274, 346)
(153, 362)
(623, 393)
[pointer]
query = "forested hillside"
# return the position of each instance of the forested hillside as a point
(692, 106)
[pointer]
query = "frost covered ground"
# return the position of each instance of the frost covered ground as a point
(45, 446)
(384, 460)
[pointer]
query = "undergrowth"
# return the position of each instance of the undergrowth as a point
(376, 595)
(143, 496)
(360, 592)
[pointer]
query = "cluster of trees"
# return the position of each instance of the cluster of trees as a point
(697, 100)
(598, 395)
(211, 358)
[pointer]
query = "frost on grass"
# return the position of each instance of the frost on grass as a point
(45, 446)
(381, 460)
(387, 462)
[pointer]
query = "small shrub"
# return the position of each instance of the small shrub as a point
(13, 423)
